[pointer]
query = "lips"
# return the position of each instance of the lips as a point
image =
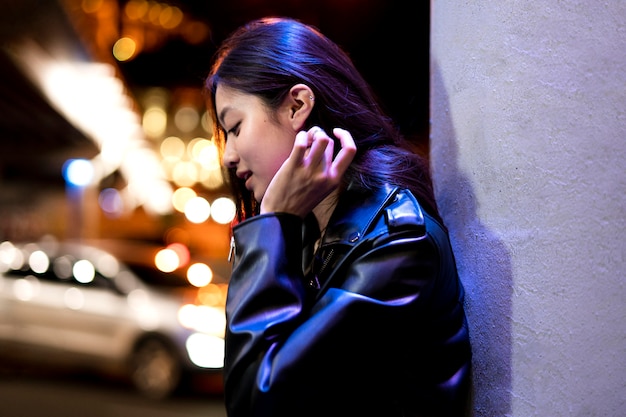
(245, 176)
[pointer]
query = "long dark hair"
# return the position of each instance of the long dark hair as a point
(268, 56)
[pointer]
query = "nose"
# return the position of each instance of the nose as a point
(230, 158)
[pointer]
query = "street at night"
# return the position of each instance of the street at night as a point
(31, 393)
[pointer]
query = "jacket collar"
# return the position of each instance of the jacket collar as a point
(354, 215)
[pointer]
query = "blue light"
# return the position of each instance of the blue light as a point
(78, 172)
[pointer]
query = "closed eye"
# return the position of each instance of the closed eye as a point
(234, 130)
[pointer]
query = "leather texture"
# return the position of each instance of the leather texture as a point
(375, 327)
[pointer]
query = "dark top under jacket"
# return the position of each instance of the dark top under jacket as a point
(375, 328)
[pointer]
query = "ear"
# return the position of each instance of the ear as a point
(300, 103)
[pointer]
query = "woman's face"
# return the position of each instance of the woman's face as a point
(256, 144)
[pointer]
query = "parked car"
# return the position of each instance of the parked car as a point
(76, 303)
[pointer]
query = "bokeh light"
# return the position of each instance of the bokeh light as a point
(181, 197)
(124, 49)
(186, 119)
(197, 210)
(199, 274)
(39, 261)
(84, 271)
(154, 121)
(78, 172)
(111, 202)
(182, 252)
(223, 210)
(166, 260)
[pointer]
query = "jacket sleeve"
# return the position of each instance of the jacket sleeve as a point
(266, 295)
(285, 358)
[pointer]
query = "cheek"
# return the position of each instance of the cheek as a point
(272, 160)
(275, 151)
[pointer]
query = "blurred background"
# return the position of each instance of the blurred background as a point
(117, 83)
(104, 142)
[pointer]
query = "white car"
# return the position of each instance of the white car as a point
(78, 303)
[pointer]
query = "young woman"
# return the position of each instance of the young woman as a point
(344, 298)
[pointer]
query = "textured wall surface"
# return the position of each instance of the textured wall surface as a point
(528, 148)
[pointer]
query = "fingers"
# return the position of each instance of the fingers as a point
(315, 148)
(316, 145)
(300, 146)
(309, 145)
(346, 153)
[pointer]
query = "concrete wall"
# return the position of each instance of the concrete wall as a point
(528, 149)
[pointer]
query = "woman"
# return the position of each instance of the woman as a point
(344, 298)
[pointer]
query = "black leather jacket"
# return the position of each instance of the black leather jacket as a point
(375, 328)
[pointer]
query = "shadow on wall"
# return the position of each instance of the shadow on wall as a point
(484, 266)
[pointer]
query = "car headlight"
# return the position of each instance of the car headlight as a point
(205, 319)
(206, 351)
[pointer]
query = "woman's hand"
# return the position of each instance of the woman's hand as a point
(309, 174)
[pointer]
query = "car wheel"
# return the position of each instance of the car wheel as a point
(155, 369)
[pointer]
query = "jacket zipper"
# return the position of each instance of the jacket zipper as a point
(231, 251)
(315, 282)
